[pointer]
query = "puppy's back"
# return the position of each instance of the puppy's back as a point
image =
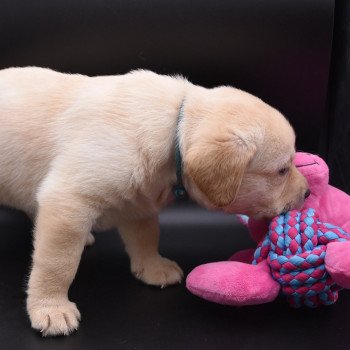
(30, 99)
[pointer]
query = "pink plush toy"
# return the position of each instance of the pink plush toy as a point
(318, 263)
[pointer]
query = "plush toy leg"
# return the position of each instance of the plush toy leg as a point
(337, 262)
(244, 256)
(233, 283)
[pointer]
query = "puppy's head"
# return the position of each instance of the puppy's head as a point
(238, 154)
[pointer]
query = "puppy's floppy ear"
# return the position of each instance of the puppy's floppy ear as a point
(217, 166)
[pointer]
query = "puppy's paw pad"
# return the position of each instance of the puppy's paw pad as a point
(60, 318)
(90, 239)
(158, 272)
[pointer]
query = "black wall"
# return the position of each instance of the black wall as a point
(339, 126)
(278, 49)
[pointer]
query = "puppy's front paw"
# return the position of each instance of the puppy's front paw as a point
(157, 271)
(53, 317)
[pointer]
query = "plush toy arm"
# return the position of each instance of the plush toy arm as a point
(233, 283)
(337, 262)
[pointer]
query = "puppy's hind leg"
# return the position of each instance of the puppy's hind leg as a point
(62, 227)
(141, 238)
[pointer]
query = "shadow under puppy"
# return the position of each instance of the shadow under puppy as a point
(79, 153)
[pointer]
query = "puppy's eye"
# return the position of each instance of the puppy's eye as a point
(283, 171)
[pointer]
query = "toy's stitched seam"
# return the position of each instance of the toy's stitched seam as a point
(303, 165)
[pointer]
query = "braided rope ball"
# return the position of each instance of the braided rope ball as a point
(295, 249)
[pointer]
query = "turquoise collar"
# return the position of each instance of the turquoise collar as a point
(179, 190)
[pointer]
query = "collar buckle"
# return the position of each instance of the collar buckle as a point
(179, 192)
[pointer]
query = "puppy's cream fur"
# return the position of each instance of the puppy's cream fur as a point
(79, 152)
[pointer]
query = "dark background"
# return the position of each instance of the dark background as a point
(279, 50)
(293, 54)
(339, 100)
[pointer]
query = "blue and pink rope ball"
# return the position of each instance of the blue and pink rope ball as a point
(295, 249)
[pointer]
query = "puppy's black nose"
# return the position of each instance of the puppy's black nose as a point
(307, 193)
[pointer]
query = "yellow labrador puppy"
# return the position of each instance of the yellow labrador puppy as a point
(78, 153)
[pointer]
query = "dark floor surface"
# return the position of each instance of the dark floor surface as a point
(121, 313)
